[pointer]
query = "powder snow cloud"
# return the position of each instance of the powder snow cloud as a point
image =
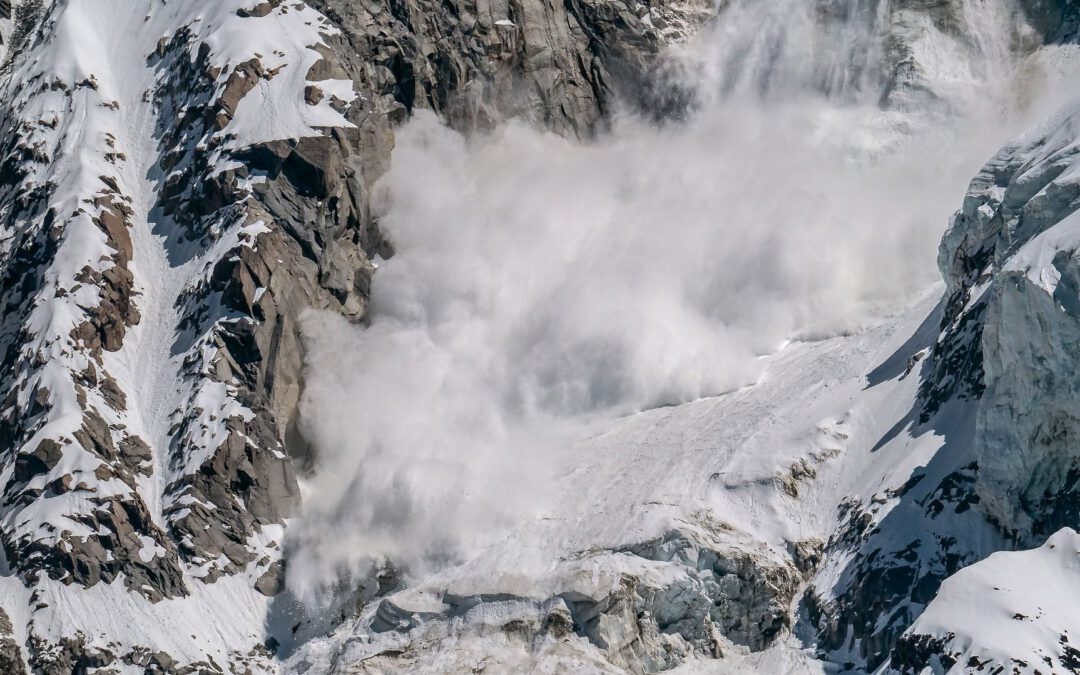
(541, 282)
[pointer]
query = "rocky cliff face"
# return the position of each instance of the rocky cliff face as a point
(998, 384)
(142, 446)
(560, 65)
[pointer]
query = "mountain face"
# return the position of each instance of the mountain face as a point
(1008, 258)
(183, 183)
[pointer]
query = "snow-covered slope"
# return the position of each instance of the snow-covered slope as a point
(1015, 610)
(680, 532)
(181, 182)
(1010, 261)
(132, 463)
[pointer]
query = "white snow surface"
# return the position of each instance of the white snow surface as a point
(1015, 608)
(711, 463)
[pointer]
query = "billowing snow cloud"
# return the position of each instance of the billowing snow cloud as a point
(541, 282)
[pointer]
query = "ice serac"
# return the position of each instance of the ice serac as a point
(693, 592)
(1010, 333)
(1010, 260)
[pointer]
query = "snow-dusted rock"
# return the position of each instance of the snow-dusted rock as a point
(1009, 258)
(561, 65)
(11, 658)
(142, 452)
(180, 182)
(1014, 611)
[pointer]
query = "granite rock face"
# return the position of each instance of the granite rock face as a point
(149, 339)
(559, 65)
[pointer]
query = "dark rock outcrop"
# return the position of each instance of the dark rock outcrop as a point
(11, 660)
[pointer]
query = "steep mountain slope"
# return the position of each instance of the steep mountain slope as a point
(181, 182)
(681, 532)
(141, 455)
(1009, 258)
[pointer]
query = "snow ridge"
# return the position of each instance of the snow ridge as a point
(117, 112)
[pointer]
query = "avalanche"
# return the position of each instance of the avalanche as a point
(655, 374)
